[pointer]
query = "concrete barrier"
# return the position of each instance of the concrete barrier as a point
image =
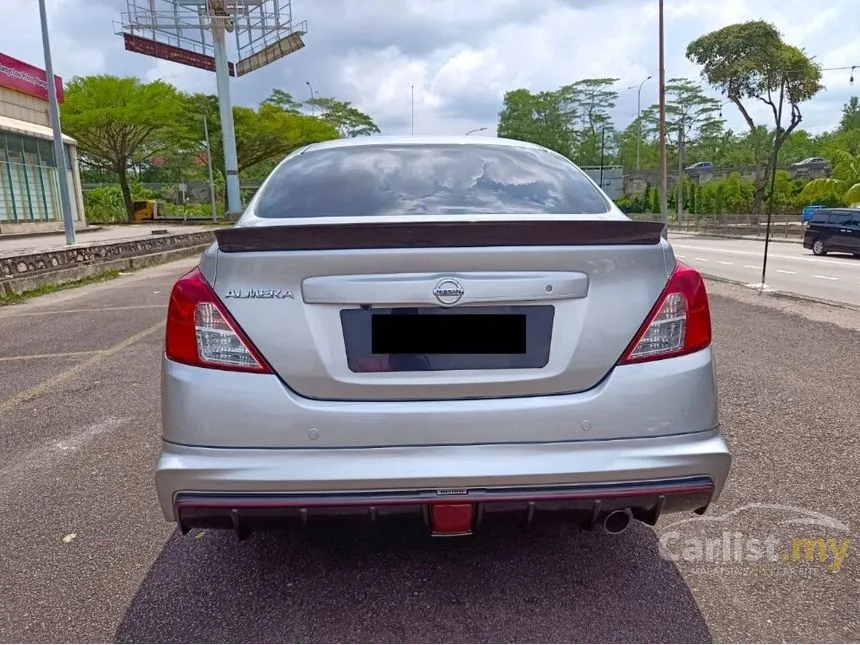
(24, 272)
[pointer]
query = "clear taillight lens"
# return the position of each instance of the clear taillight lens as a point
(667, 330)
(680, 322)
(216, 340)
(201, 332)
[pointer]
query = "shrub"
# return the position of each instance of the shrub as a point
(104, 205)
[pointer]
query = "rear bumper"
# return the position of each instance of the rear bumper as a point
(217, 487)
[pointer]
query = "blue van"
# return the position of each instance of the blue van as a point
(806, 215)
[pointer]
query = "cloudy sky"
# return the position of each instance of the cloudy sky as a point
(460, 56)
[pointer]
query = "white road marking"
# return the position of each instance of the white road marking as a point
(825, 277)
(680, 256)
(702, 259)
(770, 255)
(788, 272)
(750, 266)
(724, 262)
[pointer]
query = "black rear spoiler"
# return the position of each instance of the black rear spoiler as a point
(426, 235)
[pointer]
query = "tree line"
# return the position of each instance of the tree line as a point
(128, 129)
(746, 64)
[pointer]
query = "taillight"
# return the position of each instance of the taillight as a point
(680, 322)
(201, 332)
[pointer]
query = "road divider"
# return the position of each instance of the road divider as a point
(28, 271)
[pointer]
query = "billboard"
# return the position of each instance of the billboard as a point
(171, 53)
(286, 45)
(27, 79)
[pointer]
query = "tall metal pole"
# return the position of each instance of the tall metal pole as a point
(222, 74)
(412, 90)
(664, 215)
(773, 159)
(209, 163)
(602, 148)
(54, 111)
(639, 119)
(679, 206)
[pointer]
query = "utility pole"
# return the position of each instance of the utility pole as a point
(680, 191)
(664, 215)
(59, 149)
(209, 163)
(225, 109)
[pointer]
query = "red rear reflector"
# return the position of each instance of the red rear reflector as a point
(678, 324)
(452, 519)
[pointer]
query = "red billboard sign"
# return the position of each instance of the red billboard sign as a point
(27, 79)
(171, 53)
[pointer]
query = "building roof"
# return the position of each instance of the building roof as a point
(8, 124)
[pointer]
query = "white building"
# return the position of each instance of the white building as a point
(29, 187)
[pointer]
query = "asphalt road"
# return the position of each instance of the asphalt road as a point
(87, 557)
(790, 267)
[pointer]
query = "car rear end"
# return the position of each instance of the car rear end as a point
(448, 331)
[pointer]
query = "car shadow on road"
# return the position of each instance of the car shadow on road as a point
(558, 584)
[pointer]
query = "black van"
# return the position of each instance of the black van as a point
(833, 229)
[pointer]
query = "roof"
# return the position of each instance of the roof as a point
(422, 140)
(8, 124)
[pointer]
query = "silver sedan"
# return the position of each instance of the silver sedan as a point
(456, 330)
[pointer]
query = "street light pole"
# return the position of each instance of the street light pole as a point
(313, 109)
(209, 163)
(412, 92)
(664, 216)
(602, 148)
(54, 111)
(639, 119)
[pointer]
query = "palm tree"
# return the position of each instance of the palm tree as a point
(844, 182)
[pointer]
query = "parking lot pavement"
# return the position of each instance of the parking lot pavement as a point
(790, 267)
(88, 557)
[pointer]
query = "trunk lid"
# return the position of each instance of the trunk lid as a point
(441, 310)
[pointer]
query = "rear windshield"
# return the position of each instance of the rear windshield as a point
(820, 216)
(433, 179)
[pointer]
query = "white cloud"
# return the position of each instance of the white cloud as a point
(460, 56)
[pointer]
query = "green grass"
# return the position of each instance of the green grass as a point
(45, 289)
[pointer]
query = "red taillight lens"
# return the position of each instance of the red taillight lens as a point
(680, 322)
(201, 332)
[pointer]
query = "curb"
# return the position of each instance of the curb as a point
(784, 295)
(62, 276)
(22, 236)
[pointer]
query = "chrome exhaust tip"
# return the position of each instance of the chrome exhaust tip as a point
(617, 521)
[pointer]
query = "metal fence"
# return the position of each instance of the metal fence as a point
(610, 178)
